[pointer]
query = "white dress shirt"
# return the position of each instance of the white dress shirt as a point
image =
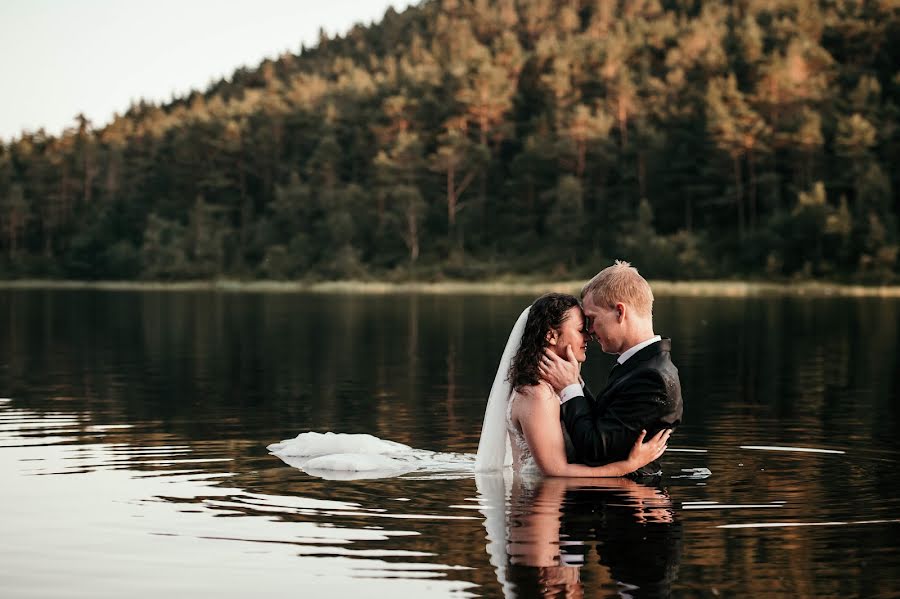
(576, 389)
(631, 351)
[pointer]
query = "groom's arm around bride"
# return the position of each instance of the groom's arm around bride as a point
(643, 391)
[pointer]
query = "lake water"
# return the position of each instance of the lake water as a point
(133, 455)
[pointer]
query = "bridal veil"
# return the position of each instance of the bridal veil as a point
(494, 451)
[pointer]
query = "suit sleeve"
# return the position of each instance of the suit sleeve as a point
(608, 435)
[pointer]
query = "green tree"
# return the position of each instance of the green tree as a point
(163, 253)
(740, 132)
(407, 210)
(565, 221)
(14, 214)
(461, 161)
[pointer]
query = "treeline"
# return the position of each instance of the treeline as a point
(470, 138)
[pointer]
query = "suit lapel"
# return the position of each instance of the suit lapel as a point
(620, 370)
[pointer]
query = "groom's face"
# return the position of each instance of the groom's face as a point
(604, 325)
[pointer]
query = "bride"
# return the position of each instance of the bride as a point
(522, 421)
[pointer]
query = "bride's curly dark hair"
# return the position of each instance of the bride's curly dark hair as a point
(547, 312)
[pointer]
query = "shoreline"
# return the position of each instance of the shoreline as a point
(661, 288)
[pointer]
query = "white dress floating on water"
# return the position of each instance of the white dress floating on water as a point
(313, 444)
(343, 456)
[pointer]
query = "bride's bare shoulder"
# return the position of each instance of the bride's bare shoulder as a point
(539, 392)
(536, 404)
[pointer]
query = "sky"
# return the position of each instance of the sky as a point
(65, 57)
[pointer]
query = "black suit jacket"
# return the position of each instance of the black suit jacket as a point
(642, 393)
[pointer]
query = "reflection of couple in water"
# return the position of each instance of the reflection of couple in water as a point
(556, 537)
(542, 420)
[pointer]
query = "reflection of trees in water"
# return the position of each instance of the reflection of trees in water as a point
(395, 365)
(384, 364)
(798, 358)
(216, 365)
(573, 538)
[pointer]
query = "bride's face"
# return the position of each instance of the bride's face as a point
(572, 332)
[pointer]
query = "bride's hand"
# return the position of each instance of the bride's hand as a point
(644, 453)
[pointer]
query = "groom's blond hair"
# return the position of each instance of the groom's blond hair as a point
(620, 282)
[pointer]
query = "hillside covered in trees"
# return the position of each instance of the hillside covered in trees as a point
(470, 138)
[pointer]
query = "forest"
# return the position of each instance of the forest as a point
(471, 139)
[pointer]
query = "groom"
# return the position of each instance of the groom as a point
(643, 391)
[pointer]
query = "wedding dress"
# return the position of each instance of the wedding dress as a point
(522, 457)
(521, 452)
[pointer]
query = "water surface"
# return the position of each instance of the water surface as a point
(133, 460)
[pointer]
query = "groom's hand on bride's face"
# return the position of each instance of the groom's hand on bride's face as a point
(558, 372)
